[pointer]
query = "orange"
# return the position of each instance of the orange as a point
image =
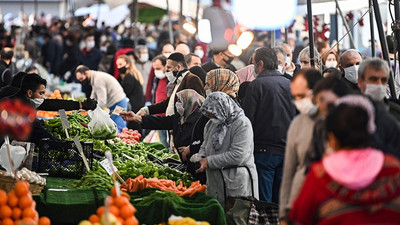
(100, 211)
(8, 221)
(25, 202)
(120, 201)
(121, 221)
(28, 212)
(16, 213)
(21, 188)
(114, 210)
(45, 221)
(93, 219)
(3, 197)
(17, 222)
(127, 211)
(12, 199)
(28, 220)
(5, 211)
(131, 221)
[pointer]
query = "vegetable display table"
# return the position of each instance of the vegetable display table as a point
(66, 206)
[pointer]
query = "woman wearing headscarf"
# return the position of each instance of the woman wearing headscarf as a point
(228, 142)
(222, 80)
(181, 123)
(353, 183)
(216, 80)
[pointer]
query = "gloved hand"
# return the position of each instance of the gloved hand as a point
(89, 104)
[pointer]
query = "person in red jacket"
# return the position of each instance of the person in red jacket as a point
(353, 183)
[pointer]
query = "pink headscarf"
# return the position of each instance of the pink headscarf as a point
(246, 74)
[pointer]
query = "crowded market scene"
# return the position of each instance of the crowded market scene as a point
(218, 112)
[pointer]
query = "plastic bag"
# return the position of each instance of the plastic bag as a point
(101, 126)
(18, 154)
(152, 137)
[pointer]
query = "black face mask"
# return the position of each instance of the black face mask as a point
(85, 82)
(229, 60)
(122, 70)
(8, 55)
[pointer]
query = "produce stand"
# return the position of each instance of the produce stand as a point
(69, 201)
(66, 206)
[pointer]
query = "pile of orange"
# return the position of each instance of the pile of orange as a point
(120, 207)
(18, 207)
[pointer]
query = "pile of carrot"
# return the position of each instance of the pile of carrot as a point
(141, 183)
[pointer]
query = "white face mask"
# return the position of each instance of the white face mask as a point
(179, 108)
(103, 48)
(253, 71)
(199, 53)
(331, 64)
(214, 120)
(351, 73)
(103, 38)
(159, 74)
(288, 61)
(376, 91)
(304, 105)
(144, 57)
(280, 69)
(90, 44)
(37, 102)
(170, 76)
(208, 92)
(167, 55)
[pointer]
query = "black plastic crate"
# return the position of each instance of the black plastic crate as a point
(62, 159)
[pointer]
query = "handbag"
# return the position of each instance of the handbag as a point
(245, 210)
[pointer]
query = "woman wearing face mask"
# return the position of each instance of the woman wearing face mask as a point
(331, 60)
(357, 184)
(228, 143)
(131, 81)
(200, 49)
(182, 122)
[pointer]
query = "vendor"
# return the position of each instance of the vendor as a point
(182, 123)
(38, 101)
(105, 90)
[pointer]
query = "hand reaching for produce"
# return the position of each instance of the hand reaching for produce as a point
(184, 150)
(89, 104)
(203, 165)
(131, 116)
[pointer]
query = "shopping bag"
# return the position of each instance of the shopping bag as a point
(152, 137)
(247, 210)
(101, 126)
(18, 154)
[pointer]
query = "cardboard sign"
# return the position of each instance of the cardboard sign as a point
(107, 166)
(80, 149)
(64, 120)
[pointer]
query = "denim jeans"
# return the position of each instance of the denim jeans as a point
(269, 169)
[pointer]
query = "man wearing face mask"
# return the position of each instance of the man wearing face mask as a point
(179, 79)
(221, 59)
(268, 105)
(301, 88)
(291, 68)
(90, 55)
(349, 62)
(105, 90)
(143, 64)
(282, 62)
(373, 80)
(6, 75)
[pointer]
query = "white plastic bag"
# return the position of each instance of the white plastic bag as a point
(18, 154)
(101, 126)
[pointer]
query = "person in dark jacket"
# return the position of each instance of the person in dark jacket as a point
(268, 105)
(6, 55)
(131, 81)
(71, 54)
(90, 57)
(52, 54)
(179, 78)
(220, 59)
(182, 123)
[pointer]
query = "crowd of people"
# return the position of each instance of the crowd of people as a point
(320, 140)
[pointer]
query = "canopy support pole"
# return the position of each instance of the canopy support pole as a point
(371, 20)
(385, 51)
(310, 32)
(345, 25)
